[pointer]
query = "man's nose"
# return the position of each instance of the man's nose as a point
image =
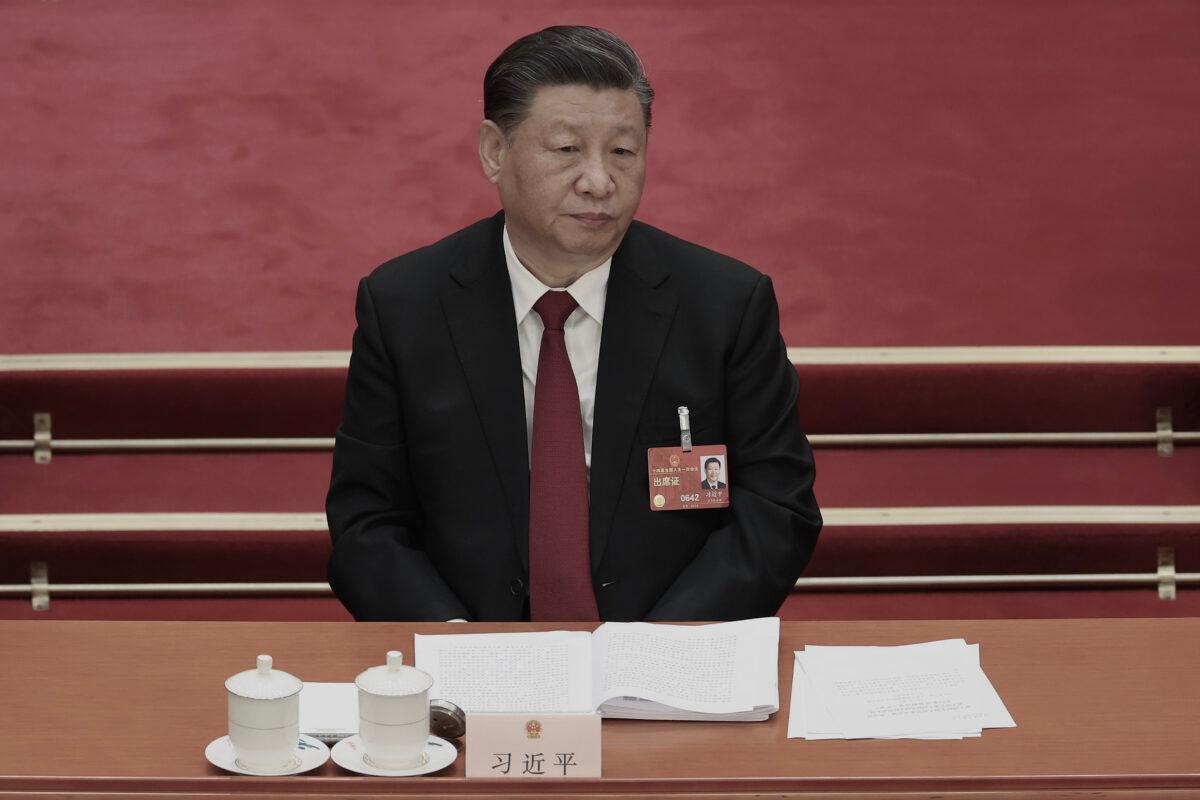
(595, 179)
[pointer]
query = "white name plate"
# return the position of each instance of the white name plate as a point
(533, 745)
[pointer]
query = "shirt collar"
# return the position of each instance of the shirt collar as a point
(589, 289)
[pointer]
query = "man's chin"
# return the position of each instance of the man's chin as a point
(600, 243)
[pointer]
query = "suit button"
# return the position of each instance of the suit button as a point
(517, 587)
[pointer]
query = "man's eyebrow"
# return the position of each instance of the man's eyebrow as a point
(633, 129)
(568, 126)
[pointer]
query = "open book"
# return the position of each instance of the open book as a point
(726, 671)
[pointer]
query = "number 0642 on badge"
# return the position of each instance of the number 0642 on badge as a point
(684, 481)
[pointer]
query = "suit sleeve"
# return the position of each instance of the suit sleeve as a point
(379, 568)
(748, 566)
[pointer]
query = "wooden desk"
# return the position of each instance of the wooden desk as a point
(1110, 708)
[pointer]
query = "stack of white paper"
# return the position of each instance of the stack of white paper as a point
(934, 690)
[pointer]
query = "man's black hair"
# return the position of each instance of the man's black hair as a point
(560, 56)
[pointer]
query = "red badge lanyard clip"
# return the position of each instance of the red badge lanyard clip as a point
(685, 430)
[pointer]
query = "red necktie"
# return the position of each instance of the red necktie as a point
(560, 576)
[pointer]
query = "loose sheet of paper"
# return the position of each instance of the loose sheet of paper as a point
(930, 690)
(509, 672)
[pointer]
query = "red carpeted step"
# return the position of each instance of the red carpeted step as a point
(978, 398)
(1000, 549)
(157, 557)
(985, 476)
(107, 404)
(165, 482)
(1035, 476)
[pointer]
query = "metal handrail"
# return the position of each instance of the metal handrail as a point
(904, 582)
(835, 356)
(860, 583)
(198, 587)
(819, 440)
(834, 516)
(255, 443)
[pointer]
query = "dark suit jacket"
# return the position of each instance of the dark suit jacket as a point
(428, 504)
(704, 485)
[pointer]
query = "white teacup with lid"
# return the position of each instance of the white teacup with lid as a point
(264, 717)
(393, 713)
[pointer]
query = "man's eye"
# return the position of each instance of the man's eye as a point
(621, 151)
(568, 148)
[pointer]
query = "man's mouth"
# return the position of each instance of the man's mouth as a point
(593, 219)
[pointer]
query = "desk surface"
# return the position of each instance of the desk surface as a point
(1106, 705)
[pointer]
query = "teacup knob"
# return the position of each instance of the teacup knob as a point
(395, 659)
(264, 666)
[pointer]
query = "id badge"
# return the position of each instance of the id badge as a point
(685, 480)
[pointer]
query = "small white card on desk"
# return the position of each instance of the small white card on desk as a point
(535, 745)
(329, 711)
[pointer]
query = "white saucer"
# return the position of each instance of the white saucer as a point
(310, 754)
(348, 754)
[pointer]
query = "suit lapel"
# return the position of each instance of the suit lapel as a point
(479, 312)
(637, 316)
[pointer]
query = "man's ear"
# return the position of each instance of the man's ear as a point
(492, 144)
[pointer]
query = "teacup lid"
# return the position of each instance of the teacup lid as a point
(394, 678)
(264, 683)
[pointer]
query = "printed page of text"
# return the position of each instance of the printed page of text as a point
(718, 669)
(509, 672)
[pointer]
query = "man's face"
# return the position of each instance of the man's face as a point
(571, 174)
(713, 469)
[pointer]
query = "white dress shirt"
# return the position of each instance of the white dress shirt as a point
(582, 331)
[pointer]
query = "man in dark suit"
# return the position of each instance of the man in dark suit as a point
(492, 465)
